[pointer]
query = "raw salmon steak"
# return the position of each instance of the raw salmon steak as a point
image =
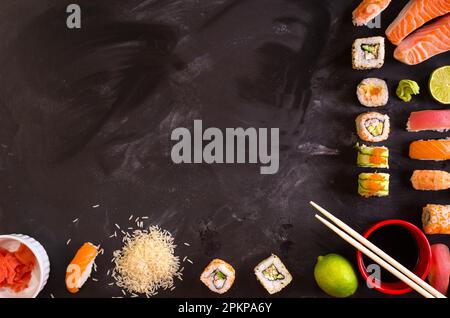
(425, 43)
(437, 150)
(415, 14)
(438, 120)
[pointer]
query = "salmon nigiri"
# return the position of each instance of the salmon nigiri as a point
(368, 10)
(425, 43)
(438, 150)
(80, 267)
(438, 120)
(415, 14)
(430, 180)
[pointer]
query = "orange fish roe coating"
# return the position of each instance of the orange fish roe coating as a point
(436, 219)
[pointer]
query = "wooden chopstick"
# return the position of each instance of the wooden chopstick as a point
(375, 258)
(378, 251)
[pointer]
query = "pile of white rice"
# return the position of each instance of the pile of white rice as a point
(146, 262)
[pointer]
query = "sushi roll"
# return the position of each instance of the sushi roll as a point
(272, 274)
(373, 185)
(372, 92)
(368, 53)
(373, 127)
(372, 157)
(436, 219)
(218, 276)
(80, 268)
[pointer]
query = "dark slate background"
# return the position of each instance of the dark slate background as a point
(86, 117)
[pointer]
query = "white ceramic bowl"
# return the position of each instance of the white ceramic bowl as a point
(40, 273)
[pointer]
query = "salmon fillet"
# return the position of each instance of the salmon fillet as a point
(415, 14)
(425, 43)
(437, 150)
(430, 180)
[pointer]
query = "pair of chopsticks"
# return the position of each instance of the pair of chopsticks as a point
(370, 250)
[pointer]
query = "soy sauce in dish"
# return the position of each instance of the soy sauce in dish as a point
(397, 242)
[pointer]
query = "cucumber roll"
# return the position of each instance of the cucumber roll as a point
(372, 157)
(373, 184)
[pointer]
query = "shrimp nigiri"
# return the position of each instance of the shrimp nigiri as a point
(368, 10)
(80, 267)
(432, 180)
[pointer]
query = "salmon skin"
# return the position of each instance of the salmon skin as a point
(425, 43)
(415, 14)
(438, 150)
(368, 10)
(438, 120)
(430, 180)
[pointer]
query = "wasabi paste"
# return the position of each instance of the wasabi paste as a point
(407, 88)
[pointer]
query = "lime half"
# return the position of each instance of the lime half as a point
(440, 84)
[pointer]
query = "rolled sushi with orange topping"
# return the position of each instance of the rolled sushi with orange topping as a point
(436, 219)
(372, 157)
(373, 127)
(373, 185)
(80, 268)
(372, 92)
(218, 276)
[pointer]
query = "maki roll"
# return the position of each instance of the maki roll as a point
(373, 184)
(436, 219)
(372, 92)
(218, 276)
(372, 157)
(272, 274)
(373, 127)
(368, 53)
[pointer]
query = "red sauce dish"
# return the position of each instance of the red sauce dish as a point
(421, 250)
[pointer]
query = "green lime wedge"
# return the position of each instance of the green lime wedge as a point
(440, 84)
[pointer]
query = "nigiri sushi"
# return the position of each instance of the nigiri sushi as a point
(438, 120)
(373, 184)
(437, 150)
(272, 274)
(218, 276)
(373, 127)
(415, 14)
(80, 267)
(436, 219)
(425, 43)
(372, 92)
(440, 267)
(368, 10)
(430, 180)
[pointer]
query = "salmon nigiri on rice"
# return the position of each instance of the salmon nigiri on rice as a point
(80, 268)
(368, 10)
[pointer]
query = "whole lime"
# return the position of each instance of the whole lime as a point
(335, 275)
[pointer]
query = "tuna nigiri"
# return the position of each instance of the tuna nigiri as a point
(425, 43)
(80, 268)
(368, 10)
(438, 150)
(430, 180)
(415, 14)
(440, 267)
(438, 120)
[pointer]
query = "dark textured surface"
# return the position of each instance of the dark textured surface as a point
(86, 117)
